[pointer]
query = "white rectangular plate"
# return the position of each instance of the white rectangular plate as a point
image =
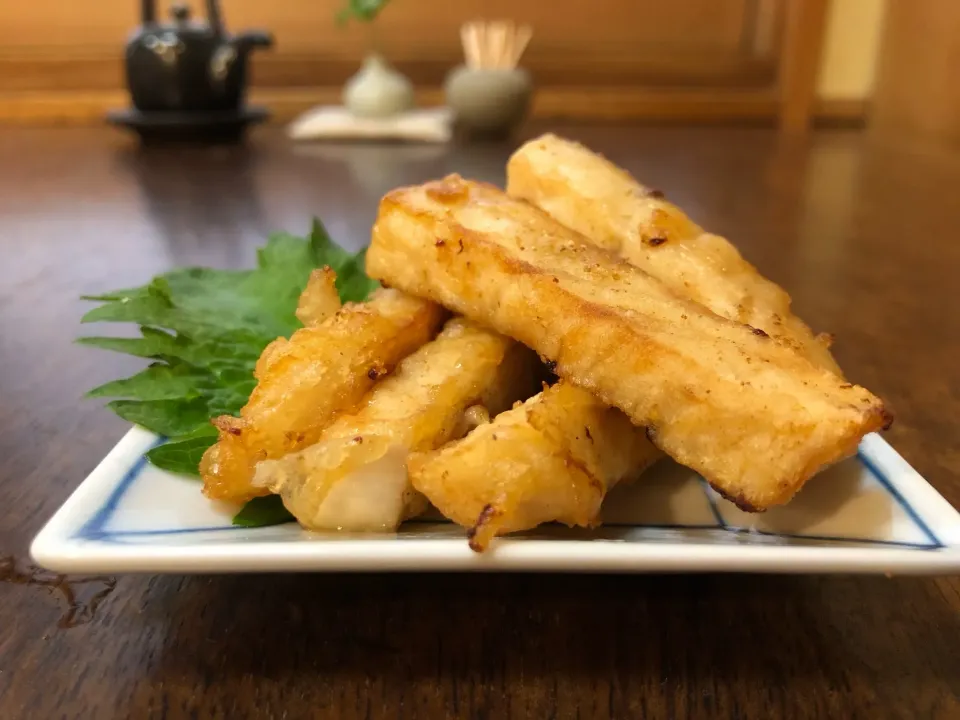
(871, 513)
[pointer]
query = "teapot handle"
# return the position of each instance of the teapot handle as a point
(214, 18)
(148, 12)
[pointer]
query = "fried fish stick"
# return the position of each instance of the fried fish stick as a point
(304, 381)
(586, 192)
(354, 477)
(553, 458)
(319, 299)
(754, 417)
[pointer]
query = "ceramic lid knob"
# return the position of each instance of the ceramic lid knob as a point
(180, 12)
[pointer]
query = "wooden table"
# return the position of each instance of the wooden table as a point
(861, 232)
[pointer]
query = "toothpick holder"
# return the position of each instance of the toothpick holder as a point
(488, 103)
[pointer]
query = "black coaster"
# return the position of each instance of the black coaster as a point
(174, 126)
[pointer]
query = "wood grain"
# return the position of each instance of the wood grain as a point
(577, 103)
(103, 70)
(859, 230)
(693, 60)
(614, 42)
(411, 26)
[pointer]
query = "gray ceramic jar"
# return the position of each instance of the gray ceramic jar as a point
(488, 102)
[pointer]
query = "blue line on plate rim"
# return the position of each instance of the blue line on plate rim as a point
(874, 470)
(112, 534)
(833, 538)
(705, 488)
(94, 524)
(119, 537)
(93, 529)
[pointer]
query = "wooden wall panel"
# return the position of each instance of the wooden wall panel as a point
(420, 27)
(600, 43)
(696, 59)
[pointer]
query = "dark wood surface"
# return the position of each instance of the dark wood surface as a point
(862, 232)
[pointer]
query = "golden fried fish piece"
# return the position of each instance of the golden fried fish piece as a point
(553, 458)
(304, 381)
(319, 299)
(591, 195)
(354, 477)
(754, 417)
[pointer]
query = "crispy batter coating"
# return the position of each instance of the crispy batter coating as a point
(552, 458)
(304, 381)
(754, 417)
(319, 299)
(354, 477)
(586, 192)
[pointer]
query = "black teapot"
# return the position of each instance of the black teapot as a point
(188, 66)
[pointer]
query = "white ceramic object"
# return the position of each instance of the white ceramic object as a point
(332, 122)
(872, 513)
(377, 90)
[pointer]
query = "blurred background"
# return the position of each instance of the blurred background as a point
(789, 61)
(797, 128)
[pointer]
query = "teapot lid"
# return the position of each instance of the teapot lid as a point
(184, 27)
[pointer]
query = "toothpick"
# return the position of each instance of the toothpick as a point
(475, 59)
(498, 41)
(466, 42)
(497, 44)
(510, 34)
(480, 38)
(524, 34)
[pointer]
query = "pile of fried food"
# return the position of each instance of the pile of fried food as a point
(653, 336)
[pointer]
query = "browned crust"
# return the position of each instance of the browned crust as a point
(598, 346)
(737, 499)
(556, 456)
(487, 515)
(304, 381)
(588, 193)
